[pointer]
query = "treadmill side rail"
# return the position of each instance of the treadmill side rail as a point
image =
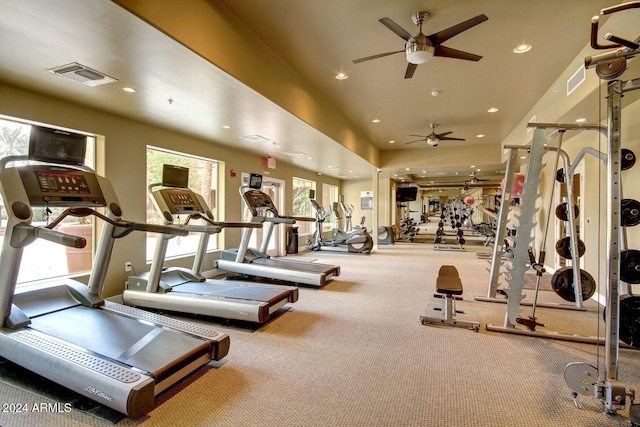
(108, 383)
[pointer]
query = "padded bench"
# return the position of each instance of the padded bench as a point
(448, 287)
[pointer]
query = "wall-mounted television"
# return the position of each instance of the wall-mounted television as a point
(406, 194)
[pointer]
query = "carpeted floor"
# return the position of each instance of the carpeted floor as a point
(354, 353)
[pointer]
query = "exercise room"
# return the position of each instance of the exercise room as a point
(313, 213)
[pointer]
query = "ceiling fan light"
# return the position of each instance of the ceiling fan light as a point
(419, 53)
(433, 142)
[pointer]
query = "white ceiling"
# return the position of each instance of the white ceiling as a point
(317, 39)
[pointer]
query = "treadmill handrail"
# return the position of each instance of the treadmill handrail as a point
(24, 234)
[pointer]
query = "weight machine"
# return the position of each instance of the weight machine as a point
(581, 377)
(569, 283)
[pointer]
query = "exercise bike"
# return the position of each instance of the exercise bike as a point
(357, 241)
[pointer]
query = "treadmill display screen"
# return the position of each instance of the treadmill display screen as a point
(175, 176)
(255, 181)
(57, 146)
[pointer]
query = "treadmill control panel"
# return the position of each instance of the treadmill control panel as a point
(181, 201)
(61, 186)
(256, 199)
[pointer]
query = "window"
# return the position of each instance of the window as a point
(43, 259)
(203, 179)
(329, 197)
(302, 205)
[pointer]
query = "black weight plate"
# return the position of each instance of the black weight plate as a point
(630, 321)
(460, 232)
(630, 266)
(437, 239)
(461, 240)
(560, 175)
(561, 211)
(627, 160)
(562, 284)
(563, 247)
(458, 224)
(630, 212)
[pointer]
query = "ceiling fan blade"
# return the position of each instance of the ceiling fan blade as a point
(396, 28)
(454, 53)
(443, 134)
(420, 136)
(446, 138)
(417, 140)
(411, 68)
(444, 35)
(380, 55)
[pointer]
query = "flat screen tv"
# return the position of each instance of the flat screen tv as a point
(57, 146)
(406, 194)
(175, 176)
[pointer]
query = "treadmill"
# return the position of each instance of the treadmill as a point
(188, 291)
(118, 356)
(253, 262)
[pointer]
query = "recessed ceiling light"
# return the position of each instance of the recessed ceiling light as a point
(473, 166)
(309, 158)
(407, 169)
(226, 127)
(392, 142)
(581, 120)
(478, 170)
(375, 121)
(522, 48)
(523, 157)
(480, 135)
(342, 76)
(492, 110)
(129, 89)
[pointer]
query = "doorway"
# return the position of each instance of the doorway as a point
(562, 227)
(275, 189)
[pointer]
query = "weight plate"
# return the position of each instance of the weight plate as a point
(563, 247)
(461, 240)
(459, 232)
(437, 239)
(562, 284)
(628, 159)
(630, 321)
(630, 266)
(560, 175)
(561, 211)
(630, 212)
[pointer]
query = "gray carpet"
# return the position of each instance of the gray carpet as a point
(355, 354)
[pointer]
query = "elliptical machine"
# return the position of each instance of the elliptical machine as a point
(357, 241)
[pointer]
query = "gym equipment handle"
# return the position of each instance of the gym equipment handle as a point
(25, 234)
(157, 228)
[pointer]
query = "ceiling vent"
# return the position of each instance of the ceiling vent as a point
(254, 138)
(82, 74)
(575, 80)
(293, 153)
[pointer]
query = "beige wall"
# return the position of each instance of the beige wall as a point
(124, 163)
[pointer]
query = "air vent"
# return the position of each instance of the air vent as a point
(293, 153)
(254, 138)
(82, 74)
(575, 80)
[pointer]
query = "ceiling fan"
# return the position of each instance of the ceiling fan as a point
(434, 138)
(420, 48)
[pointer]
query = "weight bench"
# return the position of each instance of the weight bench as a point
(449, 288)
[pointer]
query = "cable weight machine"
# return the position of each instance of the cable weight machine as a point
(581, 377)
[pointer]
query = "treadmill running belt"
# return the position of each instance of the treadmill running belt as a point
(253, 293)
(114, 336)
